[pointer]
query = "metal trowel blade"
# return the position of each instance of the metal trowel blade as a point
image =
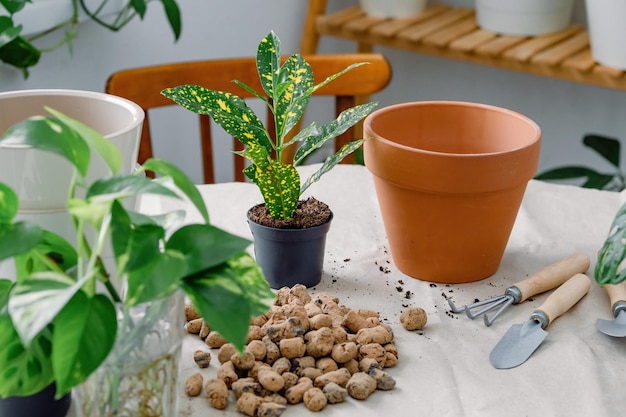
(517, 345)
(615, 327)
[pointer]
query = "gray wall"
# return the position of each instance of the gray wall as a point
(212, 29)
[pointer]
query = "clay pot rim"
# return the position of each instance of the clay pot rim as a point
(451, 103)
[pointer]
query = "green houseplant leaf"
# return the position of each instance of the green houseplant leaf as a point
(609, 149)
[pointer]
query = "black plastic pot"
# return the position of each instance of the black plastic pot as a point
(42, 404)
(290, 256)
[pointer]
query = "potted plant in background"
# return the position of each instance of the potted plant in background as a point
(288, 246)
(610, 150)
(113, 327)
(20, 51)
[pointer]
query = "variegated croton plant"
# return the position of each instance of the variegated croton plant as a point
(287, 89)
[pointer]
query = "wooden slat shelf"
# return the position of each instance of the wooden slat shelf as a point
(450, 32)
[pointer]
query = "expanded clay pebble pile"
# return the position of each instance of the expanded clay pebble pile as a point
(310, 350)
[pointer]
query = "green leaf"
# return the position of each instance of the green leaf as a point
(144, 246)
(331, 161)
(205, 246)
(268, 63)
(172, 12)
(608, 268)
(35, 302)
(343, 122)
(182, 181)
(293, 94)
(280, 186)
(8, 32)
(13, 6)
(18, 238)
(14, 49)
(5, 288)
(120, 235)
(140, 7)
(598, 181)
(51, 135)
(9, 203)
(229, 295)
(23, 371)
(103, 147)
(125, 186)
(84, 333)
(52, 247)
(339, 74)
(593, 178)
(257, 154)
(609, 148)
(567, 172)
(227, 110)
(156, 279)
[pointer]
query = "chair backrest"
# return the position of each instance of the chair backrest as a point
(143, 86)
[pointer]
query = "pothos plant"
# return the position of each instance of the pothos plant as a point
(20, 51)
(58, 316)
(287, 89)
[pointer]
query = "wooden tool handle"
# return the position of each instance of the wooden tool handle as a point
(553, 275)
(564, 297)
(616, 292)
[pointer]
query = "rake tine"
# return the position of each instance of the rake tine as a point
(454, 309)
(491, 302)
(488, 304)
(489, 320)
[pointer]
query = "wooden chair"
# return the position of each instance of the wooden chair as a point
(143, 86)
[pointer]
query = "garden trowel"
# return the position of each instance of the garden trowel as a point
(617, 326)
(521, 340)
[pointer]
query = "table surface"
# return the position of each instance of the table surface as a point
(444, 369)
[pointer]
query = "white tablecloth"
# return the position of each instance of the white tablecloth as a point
(444, 370)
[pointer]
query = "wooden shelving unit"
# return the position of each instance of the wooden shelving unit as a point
(449, 32)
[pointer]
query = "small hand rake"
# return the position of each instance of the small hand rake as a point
(548, 278)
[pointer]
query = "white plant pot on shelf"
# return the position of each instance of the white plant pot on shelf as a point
(393, 8)
(606, 21)
(524, 17)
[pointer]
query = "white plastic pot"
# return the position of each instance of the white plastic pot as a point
(607, 31)
(393, 8)
(524, 17)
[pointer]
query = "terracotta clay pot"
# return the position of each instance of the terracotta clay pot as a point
(450, 178)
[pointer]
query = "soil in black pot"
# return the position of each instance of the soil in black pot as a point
(309, 213)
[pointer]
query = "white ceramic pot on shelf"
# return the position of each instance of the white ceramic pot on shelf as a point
(606, 21)
(393, 8)
(524, 17)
